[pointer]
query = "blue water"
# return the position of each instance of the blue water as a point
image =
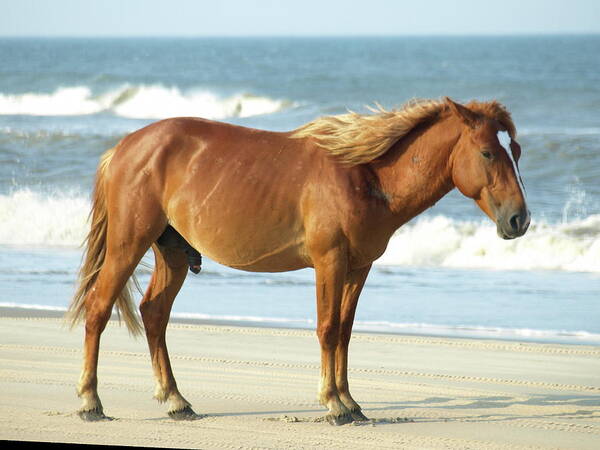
(64, 101)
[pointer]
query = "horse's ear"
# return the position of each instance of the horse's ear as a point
(466, 115)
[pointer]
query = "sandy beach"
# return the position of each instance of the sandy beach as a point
(257, 388)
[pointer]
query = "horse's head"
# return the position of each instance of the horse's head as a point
(485, 168)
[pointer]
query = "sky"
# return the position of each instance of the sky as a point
(121, 18)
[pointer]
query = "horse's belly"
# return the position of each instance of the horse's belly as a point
(248, 219)
(250, 245)
(278, 261)
(253, 257)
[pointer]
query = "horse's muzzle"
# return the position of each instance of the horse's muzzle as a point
(514, 225)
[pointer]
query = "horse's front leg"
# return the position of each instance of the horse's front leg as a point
(355, 281)
(330, 270)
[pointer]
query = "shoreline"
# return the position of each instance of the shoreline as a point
(41, 312)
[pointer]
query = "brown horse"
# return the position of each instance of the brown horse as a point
(328, 195)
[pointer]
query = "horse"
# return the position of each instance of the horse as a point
(328, 195)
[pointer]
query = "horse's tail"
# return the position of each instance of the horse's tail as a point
(95, 252)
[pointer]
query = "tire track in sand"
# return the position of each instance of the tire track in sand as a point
(288, 365)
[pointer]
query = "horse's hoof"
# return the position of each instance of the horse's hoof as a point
(186, 413)
(358, 416)
(342, 419)
(93, 415)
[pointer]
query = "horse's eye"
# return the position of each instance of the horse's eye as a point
(486, 154)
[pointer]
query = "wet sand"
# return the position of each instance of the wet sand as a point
(257, 388)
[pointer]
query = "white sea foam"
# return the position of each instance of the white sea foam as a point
(28, 217)
(140, 102)
(441, 241)
(32, 218)
(67, 101)
(32, 306)
(277, 321)
(572, 131)
(156, 102)
(521, 334)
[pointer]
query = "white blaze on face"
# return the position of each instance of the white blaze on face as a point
(505, 141)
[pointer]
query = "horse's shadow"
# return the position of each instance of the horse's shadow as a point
(400, 409)
(495, 403)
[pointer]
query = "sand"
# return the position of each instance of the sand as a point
(257, 387)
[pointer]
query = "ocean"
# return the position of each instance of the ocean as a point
(64, 101)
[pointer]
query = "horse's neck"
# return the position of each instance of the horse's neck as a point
(416, 172)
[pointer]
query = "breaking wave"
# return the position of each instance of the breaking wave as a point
(444, 242)
(32, 218)
(139, 102)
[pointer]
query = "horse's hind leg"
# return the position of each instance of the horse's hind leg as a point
(169, 273)
(121, 260)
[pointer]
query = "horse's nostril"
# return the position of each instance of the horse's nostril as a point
(514, 222)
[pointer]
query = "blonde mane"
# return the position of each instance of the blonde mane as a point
(360, 138)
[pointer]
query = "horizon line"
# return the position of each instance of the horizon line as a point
(307, 36)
